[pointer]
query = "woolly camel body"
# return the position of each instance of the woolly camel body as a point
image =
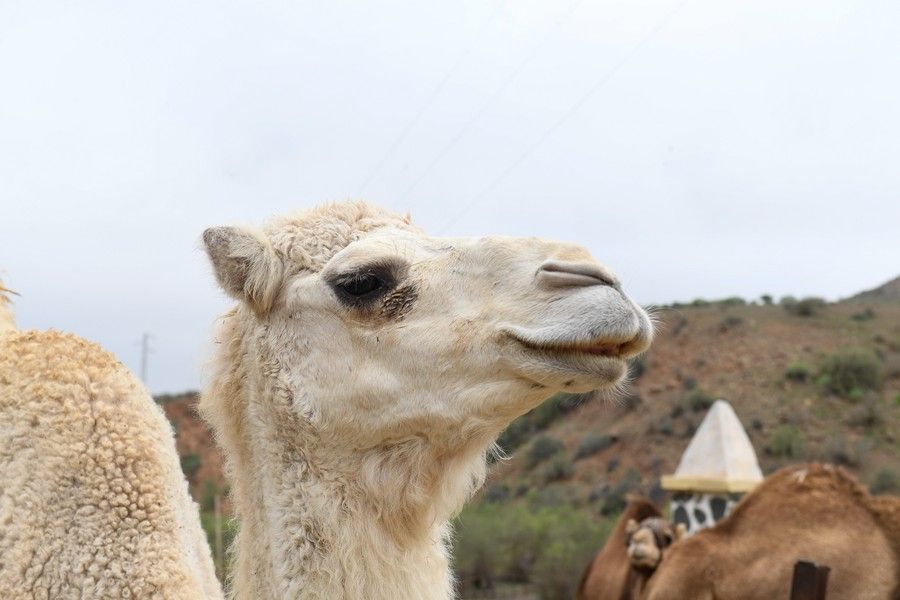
(93, 503)
(367, 370)
(812, 512)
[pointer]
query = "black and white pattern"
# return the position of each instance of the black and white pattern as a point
(698, 511)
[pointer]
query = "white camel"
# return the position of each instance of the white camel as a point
(93, 503)
(365, 373)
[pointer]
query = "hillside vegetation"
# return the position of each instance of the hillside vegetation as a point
(809, 380)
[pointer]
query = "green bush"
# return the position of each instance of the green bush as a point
(839, 452)
(497, 492)
(856, 394)
(698, 400)
(542, 448)
(732, 301)
(665, 425)
(730, 322)
(574, 541)
(208, 495)
(787, 441)
(886, 482)
(616, 498)
(520, 430)
(554, 408)
(766, 299)
(835, 451)
(868, 414)
(849, 370)
(806, 307)
(190, 464)
(546, 546)
(229, 532)
(552, 496)
(476, 554)
(559, 467)
(516, 434)
(866, 315)
(593, 443)
(798, 371)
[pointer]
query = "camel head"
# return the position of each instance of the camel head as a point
(379, 332)
(648, 540)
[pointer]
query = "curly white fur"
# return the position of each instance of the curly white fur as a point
(93, 503)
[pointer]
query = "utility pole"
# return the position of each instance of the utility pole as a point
(145, 350)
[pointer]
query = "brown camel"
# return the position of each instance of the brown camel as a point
(610, 575)
(811, 512)
(648, 540)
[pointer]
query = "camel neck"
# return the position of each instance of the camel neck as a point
(305, 535)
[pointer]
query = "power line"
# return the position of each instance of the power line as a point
(565, 116)
(430, 100)
(146, 350)
(494, 95)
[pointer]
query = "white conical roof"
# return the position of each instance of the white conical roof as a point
(720, 457)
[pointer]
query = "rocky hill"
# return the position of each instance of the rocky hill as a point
(770, 363)
(819, 387)
(809, 380)
(888, 292)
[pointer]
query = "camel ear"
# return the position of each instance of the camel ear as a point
(631, 526)
(246, 265)
(680, 531)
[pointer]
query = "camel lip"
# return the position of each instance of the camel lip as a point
(574, 364)
(600, 367)
(608, 348)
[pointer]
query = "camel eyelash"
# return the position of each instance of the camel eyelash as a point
(362, 287)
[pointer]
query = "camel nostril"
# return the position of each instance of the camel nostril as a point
(557, 273)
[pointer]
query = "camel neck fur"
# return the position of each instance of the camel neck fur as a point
(321, 519)
(307, 534)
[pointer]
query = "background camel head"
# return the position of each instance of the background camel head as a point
(374, 328)
(648, 540)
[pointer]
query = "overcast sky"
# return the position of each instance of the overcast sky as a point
(704, 148)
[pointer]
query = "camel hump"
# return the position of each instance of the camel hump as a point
(821, 477)
(824, 483)
(53, 359)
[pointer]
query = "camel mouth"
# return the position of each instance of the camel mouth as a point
(605, 348)
(578, 365)
(620, 347)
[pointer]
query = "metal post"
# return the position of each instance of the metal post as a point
(145, 351)
(217, 534)
(810, 581)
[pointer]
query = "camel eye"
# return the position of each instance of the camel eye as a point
(361, 285)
